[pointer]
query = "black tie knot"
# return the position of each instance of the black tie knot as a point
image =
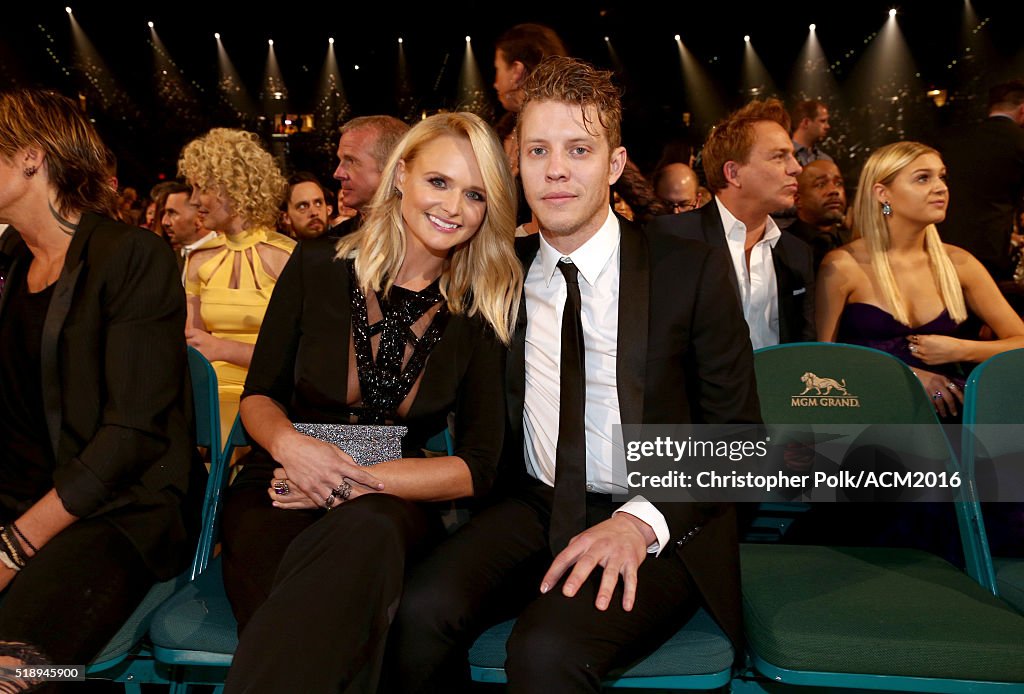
(569, 271)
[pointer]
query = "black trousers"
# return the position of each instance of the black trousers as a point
(73, 596)
(324, 624)
(490, 570)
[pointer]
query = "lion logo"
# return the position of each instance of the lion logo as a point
(818, 384)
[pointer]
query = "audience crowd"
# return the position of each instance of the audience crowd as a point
(404, 299)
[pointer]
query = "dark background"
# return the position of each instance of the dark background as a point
(147, 117)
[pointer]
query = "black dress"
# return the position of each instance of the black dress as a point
(314, 593)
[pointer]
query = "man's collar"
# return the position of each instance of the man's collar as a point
(736, 231)
(199, 242)
(590, 258)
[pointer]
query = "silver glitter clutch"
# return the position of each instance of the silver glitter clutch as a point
(367, 444)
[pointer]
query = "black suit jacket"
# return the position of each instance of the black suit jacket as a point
(986, 184)
(116, 394)
(792, 258)
(683, 356)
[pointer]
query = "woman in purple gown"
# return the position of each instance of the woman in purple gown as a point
(899, 289)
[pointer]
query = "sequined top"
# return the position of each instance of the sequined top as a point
(386, 379)
(327, 354)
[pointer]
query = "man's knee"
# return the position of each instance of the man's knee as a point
(551, 651)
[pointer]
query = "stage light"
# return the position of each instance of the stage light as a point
(677, 37)
(216, 35)
(746, 39)
(813, 27)
(607, 39)
(892, 12)
(467, 39)
(400, 40)
(331, 40)
(271, 42)
(356, 67)
(68, 10)
(150, 24)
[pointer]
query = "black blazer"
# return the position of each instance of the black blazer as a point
(792, 258)
(302, 361)
(116, 393)
(683, 356)
(986, 184)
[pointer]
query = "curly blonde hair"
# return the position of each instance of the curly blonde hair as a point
(235, 163)
(482, 276)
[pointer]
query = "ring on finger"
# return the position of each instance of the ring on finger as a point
(281, 487)
(951, 386)
(343, 490)
(937, 395)
(329, 501)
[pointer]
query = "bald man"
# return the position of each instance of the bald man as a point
(820, 208)
(677, 186)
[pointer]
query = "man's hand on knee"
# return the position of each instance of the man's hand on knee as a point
(618, 545)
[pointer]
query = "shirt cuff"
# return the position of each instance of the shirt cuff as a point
(648, 513)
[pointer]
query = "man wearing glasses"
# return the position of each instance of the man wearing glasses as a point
(676, 185)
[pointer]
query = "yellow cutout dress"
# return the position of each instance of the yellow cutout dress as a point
(235, 311)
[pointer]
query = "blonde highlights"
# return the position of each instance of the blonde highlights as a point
(75, 158)
(481, 276)
(234, 162)
(882, 167)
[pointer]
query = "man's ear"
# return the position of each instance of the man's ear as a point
(731, 171)
(616, 164)
(518, 72)
(32, 156)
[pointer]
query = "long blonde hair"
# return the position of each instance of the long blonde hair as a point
(882, 167)
(483, 275)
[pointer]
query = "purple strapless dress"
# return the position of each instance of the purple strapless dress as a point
(870, 326)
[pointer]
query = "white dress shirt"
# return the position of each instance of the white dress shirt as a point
(187, 249)
(545, 290)
(759, 290)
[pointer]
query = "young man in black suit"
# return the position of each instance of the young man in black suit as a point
(616, 326)
(751, 168)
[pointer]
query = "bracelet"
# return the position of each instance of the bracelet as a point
(13, 548)
(8, 562)
(25, 540)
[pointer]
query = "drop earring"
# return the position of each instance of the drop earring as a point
(887, 209)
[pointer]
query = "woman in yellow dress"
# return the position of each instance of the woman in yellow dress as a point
(238, 189)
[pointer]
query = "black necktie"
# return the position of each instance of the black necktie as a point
(569, 507)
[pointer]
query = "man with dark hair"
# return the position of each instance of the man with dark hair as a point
(751, 169)
(810, 126)
(617, 327)
(820, 209)
(363, 149)
(986, 180)
(305, 210)
(181, 220)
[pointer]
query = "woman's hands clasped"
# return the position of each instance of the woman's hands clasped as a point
(315, 474)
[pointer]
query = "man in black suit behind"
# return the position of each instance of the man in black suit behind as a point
(751, 168)
(663, 342)
(986, 181)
